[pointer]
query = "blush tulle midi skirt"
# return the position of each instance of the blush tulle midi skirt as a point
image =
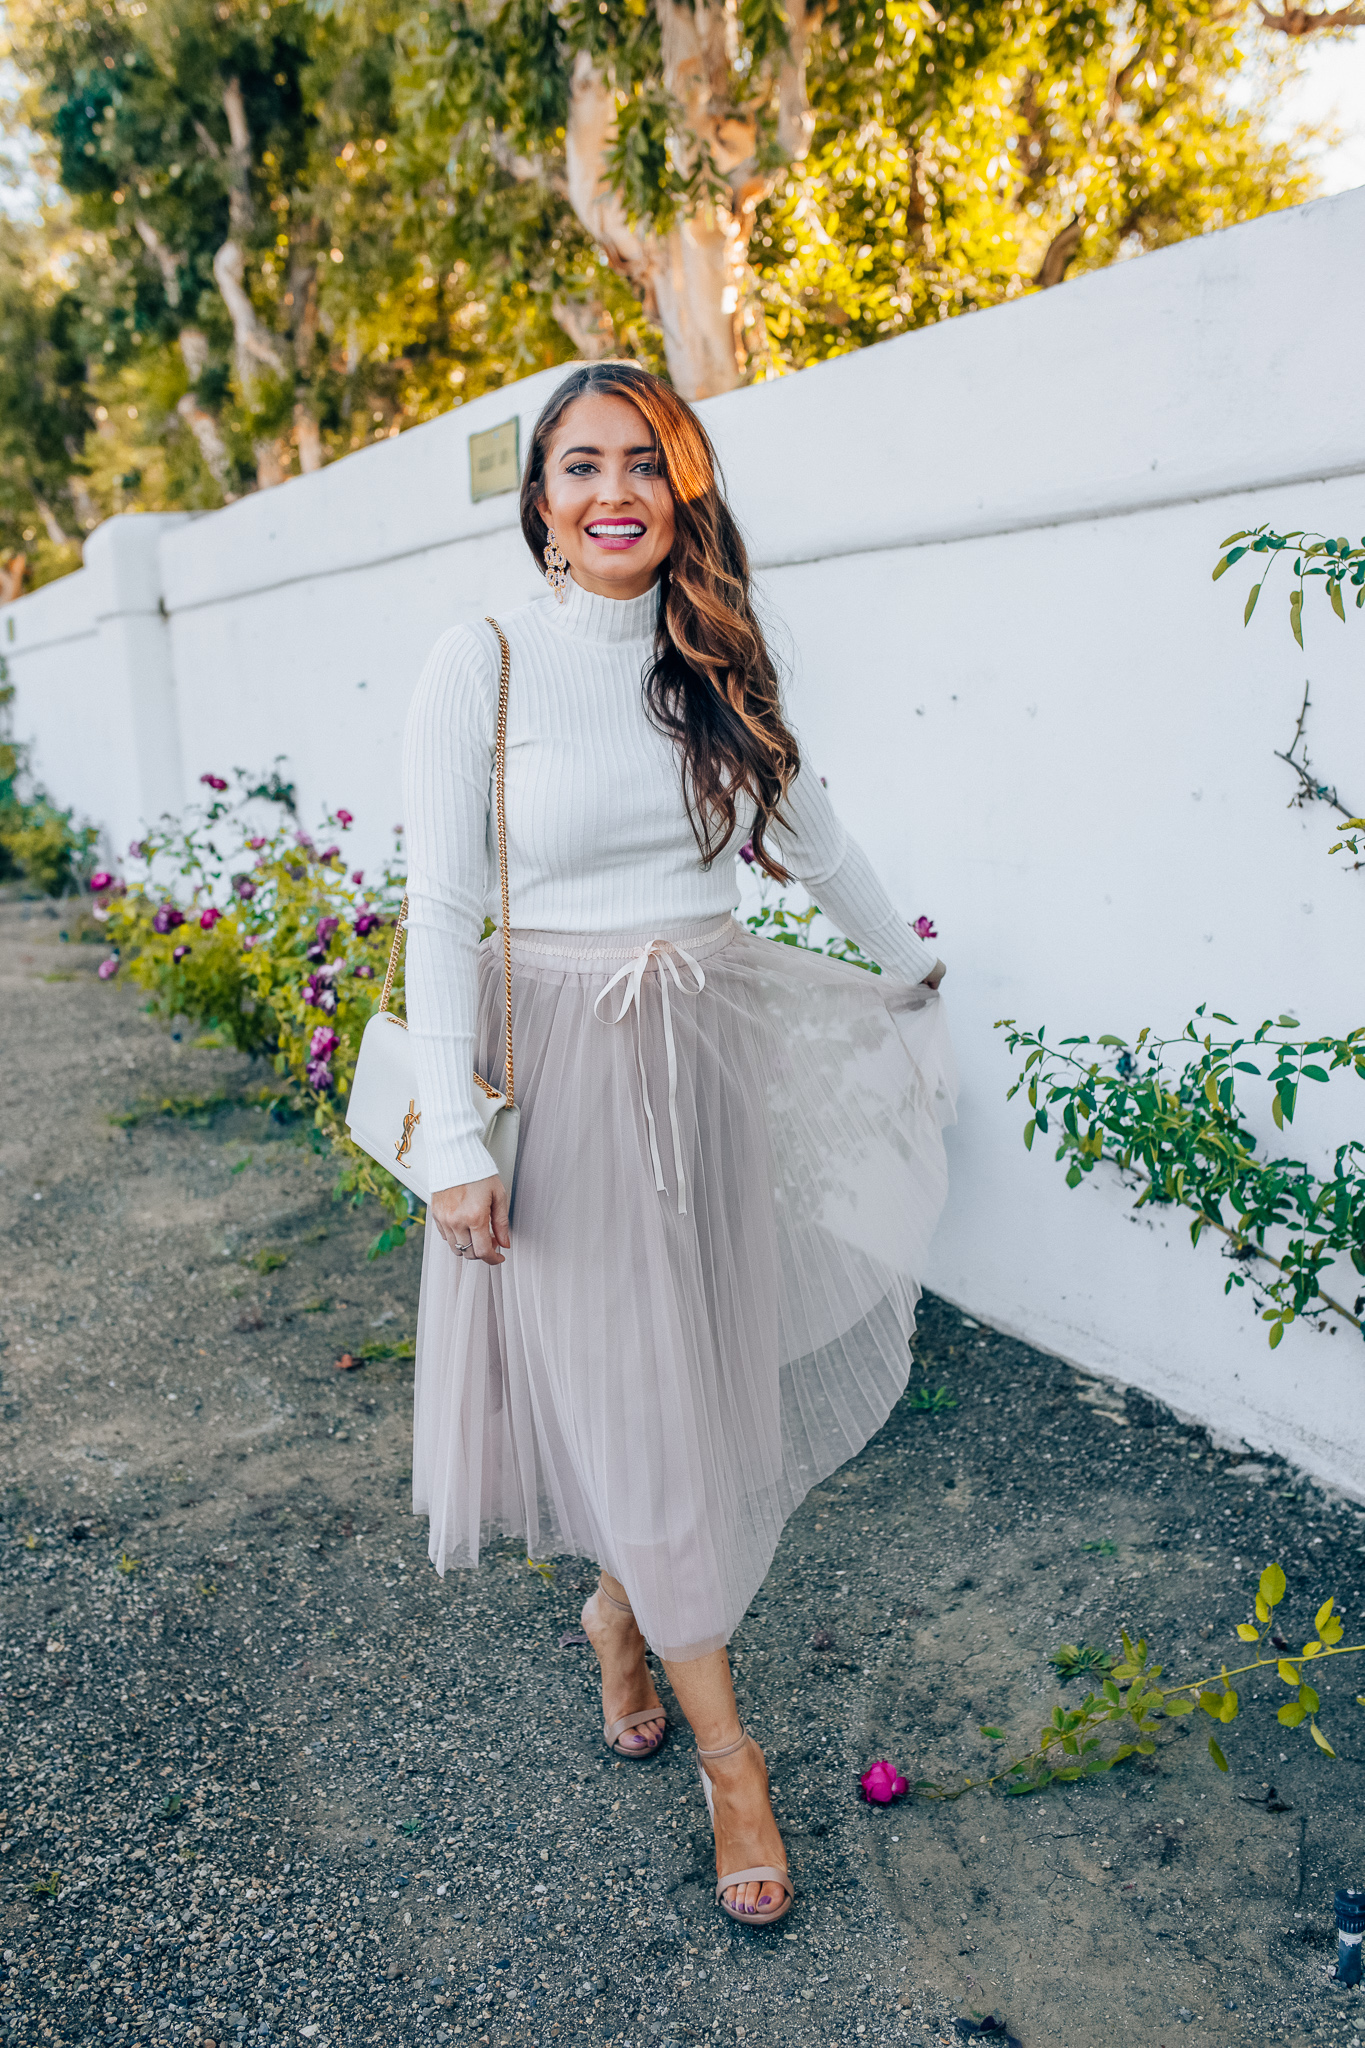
(730, 1166)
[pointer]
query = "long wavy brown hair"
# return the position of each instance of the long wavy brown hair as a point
(711, 685)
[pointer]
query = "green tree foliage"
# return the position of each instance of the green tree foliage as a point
(821, 178)
(44, 406)
(290, 227)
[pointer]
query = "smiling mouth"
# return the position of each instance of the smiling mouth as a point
(616, 533)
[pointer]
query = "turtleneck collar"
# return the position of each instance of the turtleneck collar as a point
(610, 619)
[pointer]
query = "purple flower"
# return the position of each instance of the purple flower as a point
(319, 1075)
(364, 972)
(256, 844)
(366, 922)
(923, 928)
(358, 877)
(248, 942)
(319, 993)
(108, 968)
(244, 886)
(304, 839)
(323, 1043)
(102, 879)
(179, 954)
(213, 781)
(167, 918)
(325, 928)
(746, 853)
(136, 850)
(330, 853)
(882, 1782)
(345, 820)
(316, 952)
(209, 918)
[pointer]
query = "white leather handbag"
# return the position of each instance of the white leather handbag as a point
(383, 1115)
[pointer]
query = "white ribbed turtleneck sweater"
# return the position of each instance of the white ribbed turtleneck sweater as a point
(598, 838)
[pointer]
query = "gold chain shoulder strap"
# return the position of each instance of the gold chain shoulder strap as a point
(504, 685)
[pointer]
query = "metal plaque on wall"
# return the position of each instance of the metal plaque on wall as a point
(495, 460)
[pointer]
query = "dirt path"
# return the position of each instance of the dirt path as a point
(299, 1789)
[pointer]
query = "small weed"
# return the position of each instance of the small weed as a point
(410, 1828)
(373, 1353)
(316, 1236)
(931, 1401)
(195, 1109)
(1103, 1548)
(267, 1259)
(544, 1567)
(46, 1887)
(241, 1167)
(128, 1565)
(32, 1542)
(320, 1307)
(171, 1807)
(207, 1592)
(1069, 1662)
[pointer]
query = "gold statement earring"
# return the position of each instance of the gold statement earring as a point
(556, 566)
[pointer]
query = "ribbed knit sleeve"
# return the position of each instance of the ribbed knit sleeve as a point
(838, 874)
(447, 787)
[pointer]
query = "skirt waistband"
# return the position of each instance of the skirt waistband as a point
(699, 939)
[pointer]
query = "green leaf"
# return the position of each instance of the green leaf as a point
(1272, 1585)
(1029, 1128)
(1145, 1748)
(1290, 1716)
(994, 1734)
(1334, 592)
(1251, 604)
(1243, 533)
(1296, 615)
(1108, 1038)
(1216, 1753)
(1177, 1707)
(1276, 1334)
(1320, 1738)
(1314, 1073)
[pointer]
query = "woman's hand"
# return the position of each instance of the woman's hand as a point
(935, 976)
(474, 1217)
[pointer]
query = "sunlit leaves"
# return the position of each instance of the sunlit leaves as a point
(1165, 1113)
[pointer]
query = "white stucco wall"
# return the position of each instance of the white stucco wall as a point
(985, 550)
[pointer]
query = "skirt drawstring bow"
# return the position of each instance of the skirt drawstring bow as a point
(660, 952)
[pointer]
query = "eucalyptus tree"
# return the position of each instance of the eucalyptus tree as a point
(778, 181)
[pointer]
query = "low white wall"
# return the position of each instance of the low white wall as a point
(986, 549)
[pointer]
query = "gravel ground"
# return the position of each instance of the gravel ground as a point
(270, 1780)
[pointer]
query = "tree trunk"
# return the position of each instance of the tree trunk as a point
(693, 279)
(588, 326)
(256, 348)
(271, 464)
(50, 520)
(308, 438)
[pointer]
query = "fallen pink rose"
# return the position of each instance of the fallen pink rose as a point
(882, 1782)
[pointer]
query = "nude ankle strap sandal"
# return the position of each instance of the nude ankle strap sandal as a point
(612, 1731)
(762, 1873)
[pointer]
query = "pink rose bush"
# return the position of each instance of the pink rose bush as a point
(923, 928)
(882, 1782)
(287, 950)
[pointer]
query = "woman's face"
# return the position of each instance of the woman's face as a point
(604, 498)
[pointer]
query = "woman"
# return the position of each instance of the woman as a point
(730, 1157)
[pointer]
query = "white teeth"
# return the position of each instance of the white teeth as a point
(616, 532)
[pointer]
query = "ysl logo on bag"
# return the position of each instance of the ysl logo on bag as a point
(410, 1123)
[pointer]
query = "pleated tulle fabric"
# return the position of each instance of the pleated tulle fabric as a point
(658, 1375)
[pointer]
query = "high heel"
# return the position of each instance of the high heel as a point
(762, 1873)
(612, 1731)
